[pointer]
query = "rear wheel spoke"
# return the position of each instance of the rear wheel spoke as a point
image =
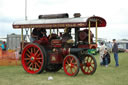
(36, 52)
(26, 58)
(38, 55)
(28, 55)
(33, 66)
(28, 62)
(28, 51)
(31, 49)
(38, 58)
(30, 65)
(37, 64)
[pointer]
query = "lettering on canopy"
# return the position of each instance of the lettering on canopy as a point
(50, 25)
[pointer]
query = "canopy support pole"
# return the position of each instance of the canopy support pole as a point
(21, 34)
(96, 34)
(30, 31)
(50, 32)
(57, 31)
(22, 40)
(89, 32)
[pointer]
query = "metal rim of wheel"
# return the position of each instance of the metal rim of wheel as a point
(88, 64)
(33, 58)
(71, 65)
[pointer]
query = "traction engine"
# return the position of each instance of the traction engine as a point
(52, 52)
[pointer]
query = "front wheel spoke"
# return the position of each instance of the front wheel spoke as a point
(75, 68)
(89, 69)
(87, 58)
(74, 65)
(84, 68)
(71, 70)
(92, 67)
(91, 60)
(67, 67)
(93, 63)
(71, 60)
(67, 62)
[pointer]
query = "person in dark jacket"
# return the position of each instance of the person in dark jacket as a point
(115, 51)
(106, 58)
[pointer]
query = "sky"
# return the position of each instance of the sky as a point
(115, 12)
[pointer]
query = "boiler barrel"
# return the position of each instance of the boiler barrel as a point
(76, 50)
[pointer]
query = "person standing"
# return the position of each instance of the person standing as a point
(115, 51)
(109, 47)
(102, 49)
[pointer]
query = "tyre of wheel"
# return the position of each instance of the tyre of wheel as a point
(71, 65)
(88, 64)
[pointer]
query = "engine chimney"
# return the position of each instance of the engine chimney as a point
(77, 15)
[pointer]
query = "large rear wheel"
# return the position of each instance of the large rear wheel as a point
(88, 64)
(71, 65)
(33, 58)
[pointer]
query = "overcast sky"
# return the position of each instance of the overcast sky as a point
(114, 11)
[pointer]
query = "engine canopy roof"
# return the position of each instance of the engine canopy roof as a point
(60, 23)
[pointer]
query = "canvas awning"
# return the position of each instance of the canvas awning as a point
(61, 23)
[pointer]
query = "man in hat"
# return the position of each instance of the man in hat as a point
(115, 51)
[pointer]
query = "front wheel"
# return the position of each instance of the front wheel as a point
(88, 64)
(71, 65)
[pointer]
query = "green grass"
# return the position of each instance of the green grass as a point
(15, 75)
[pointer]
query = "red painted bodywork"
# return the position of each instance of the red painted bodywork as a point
(56, 58)
(88, 46)
(56, 43)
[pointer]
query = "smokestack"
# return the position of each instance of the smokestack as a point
(77, 15)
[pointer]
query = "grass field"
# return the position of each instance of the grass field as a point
(15, 75)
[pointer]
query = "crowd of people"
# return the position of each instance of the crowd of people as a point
(104, 57)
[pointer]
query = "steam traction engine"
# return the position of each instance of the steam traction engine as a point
(56, 50)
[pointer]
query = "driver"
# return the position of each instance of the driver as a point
(34, 35)
(66, 37)
(42, 33)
